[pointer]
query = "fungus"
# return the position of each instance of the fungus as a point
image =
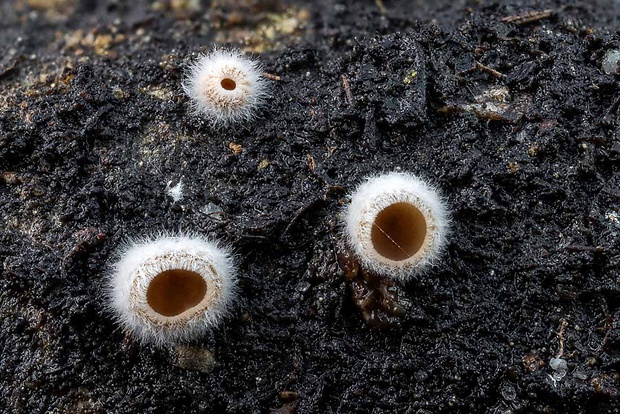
(171, 289)
(225, 87)
(396, 225)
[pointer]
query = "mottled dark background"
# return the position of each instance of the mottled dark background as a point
(503, 105)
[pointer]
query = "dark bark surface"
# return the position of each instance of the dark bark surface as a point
(512, 118)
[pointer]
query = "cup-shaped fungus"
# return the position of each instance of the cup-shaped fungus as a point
(171, 289)
(396, 224)
(225, 87)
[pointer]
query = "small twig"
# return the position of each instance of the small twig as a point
(301, 211)
(272, 77)
(528, 17)
(614, 107)
(589, 249)
(609, 320)
(347, 90)
(489, 70)
(381, 6)
(560, 335)
(58, 369)
(483, 68)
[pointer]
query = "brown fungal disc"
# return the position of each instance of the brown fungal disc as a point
(399, 231)
(228, 84)
(175, 291)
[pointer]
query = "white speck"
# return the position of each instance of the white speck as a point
(560, 368)
(176, 192)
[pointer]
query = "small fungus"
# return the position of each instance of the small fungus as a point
(171, 289)
(225, 87)
(396, 225)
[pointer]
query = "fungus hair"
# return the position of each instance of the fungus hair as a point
(171, 289)
(396, 224)
(225, 87)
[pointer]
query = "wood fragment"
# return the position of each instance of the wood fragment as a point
(529, 17)
(311, 163)
(10, 178)
(235, 148)
(272, 77)
(589, 249)
(347, 90)
(489, 70)
(560, 335)
(381, 6)
(479, 66)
